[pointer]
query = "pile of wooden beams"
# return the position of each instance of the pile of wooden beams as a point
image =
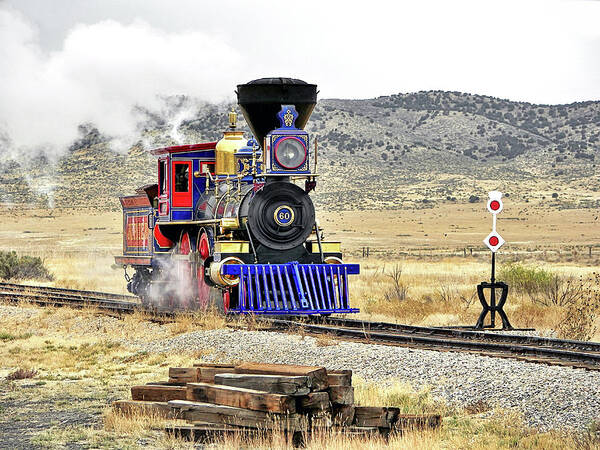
(218, 398)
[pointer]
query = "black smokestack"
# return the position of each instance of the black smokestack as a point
(261, 100)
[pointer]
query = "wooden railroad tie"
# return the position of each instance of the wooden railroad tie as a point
(254, 398)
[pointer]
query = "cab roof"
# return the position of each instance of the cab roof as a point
(184, 148)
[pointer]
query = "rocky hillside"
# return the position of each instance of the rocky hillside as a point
(406, 150)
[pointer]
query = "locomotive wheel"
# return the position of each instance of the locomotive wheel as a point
(203, 290)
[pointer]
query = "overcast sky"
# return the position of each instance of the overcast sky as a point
(67, 61)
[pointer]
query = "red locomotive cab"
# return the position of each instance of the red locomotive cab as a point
(181, 181)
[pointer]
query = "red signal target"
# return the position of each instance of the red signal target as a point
(493, 241)
(494, 204)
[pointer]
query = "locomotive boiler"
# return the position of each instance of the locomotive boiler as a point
(230, 224)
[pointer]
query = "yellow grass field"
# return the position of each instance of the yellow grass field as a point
(437, 253)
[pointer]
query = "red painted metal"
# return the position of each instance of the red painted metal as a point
(133, 260)
(181, 199)
(184, 148)
(132, 201)
(161, 239)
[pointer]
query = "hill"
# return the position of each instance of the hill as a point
(411, 150)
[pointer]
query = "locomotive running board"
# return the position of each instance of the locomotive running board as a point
(292, 288)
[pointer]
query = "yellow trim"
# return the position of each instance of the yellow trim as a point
(328, 247)
(215, 271)
(232, 247)
(230, 222)
(191, 222)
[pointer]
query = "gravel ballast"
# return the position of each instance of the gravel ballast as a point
(549, 397)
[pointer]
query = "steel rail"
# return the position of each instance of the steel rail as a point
(551, 355)
(64, 291)
(48, 299)
(517, 339)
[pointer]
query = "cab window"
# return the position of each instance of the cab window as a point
(162, 179)
(182, 177)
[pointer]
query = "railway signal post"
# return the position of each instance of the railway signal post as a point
(493, 241)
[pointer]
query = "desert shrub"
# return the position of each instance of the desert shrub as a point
(13, 266)
(21, 374)
(561, 291)
(451, 294)
(581, 312)
(527, 280)
(399, 289)
(5, 336)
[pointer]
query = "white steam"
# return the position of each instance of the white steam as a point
(173, 288)
(107, 74)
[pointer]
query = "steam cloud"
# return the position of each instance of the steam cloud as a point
(107, 74)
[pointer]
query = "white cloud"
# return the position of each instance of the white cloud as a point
(101, 72)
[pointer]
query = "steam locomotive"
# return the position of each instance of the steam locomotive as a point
(230, 224)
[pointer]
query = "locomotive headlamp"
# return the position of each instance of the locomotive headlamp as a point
(290, 152)
(286, 147)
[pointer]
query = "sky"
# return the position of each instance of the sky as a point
(65, 62)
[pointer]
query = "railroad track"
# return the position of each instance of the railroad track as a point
(528, 348)
(45, 296)
(551, 351)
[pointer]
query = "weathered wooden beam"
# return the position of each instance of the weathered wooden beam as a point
(315, 401)
(240, 398)
(276, 384)
(165, 383)
(156, 393)
(341, 395)
(208, 433)
(183, 374)
(206, 412)
(343, 415)
(207, 374)
(375, 416)
(214, 365)
(317, 375)
(339, 377)
(139, 408)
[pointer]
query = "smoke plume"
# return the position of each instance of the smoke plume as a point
(108, 74)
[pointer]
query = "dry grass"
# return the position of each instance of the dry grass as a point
(323, 340)
(444, 293)
(197, 320)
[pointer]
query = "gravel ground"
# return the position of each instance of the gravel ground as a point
(550, 397)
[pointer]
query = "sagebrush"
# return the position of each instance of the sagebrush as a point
(13, 266)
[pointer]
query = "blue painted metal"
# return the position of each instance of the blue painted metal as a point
(295, 285)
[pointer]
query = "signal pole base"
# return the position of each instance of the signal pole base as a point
(492, 307)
